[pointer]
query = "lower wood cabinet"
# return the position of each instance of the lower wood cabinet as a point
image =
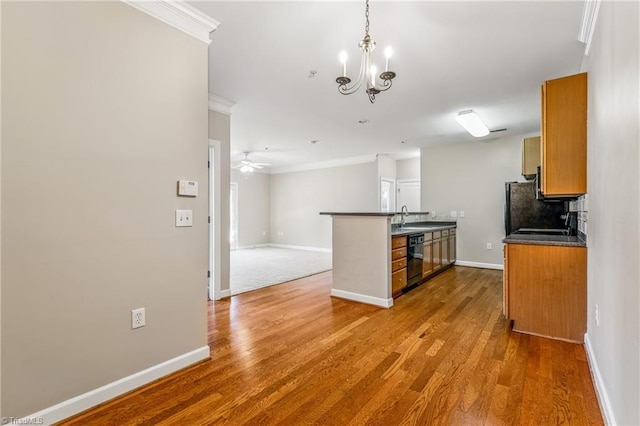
(427, 255)
(545, 290)
(437, 251)
(398, 282)
(398, 265)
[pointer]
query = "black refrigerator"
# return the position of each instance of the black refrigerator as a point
(523, 210)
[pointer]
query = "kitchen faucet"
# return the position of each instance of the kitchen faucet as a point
(404, 212)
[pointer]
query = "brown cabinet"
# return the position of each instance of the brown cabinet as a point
(446, 260)
(437, 251)
(505, 283)
(427, 255)
(452, 246)
(398, 265)
(564, 136)
(530, 156)
(545, 290)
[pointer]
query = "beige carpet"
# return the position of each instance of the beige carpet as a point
(264, 266)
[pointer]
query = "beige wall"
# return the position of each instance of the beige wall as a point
(408, 169)
(253, 207)
(298, 198)
(470, 177)
(614, 211)
(104, 109)
(220, 130)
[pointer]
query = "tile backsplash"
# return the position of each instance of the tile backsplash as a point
(581, 206)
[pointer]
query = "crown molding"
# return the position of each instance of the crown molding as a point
(179, 15)
(325, 164)
(220, 104)
(589, 18)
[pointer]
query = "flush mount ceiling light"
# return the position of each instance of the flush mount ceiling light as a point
(472, 123)
(368, 71)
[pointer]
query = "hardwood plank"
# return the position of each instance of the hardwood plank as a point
(291, 354)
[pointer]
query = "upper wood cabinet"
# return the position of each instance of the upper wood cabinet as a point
(564, 136)
(530, 156)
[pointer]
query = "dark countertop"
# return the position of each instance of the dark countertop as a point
(368, 213)
(416, 228)
(544, 240)
(357, 214)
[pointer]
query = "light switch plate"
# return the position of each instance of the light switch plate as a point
(184, 218)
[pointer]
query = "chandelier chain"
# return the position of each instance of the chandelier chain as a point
(366, 15)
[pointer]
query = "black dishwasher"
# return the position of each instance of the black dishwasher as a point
(414, 259)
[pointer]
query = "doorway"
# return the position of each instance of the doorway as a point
(214, 275)
(387, 195)
(408, 194)
(233, 216)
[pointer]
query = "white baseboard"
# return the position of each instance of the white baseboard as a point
(104, 393)
(362, 298)
(252, 246)
(323, 250)
(601, 390)
(224, 293)
(498, 266)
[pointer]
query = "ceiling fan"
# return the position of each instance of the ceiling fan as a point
(248, 166)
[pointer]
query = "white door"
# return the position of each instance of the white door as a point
(387, 195)
(408, 195)
(233, 205)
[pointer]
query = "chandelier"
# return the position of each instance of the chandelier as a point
(375, 84)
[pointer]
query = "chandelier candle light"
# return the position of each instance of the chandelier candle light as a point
(368, 71)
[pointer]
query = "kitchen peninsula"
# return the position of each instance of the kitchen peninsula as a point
(367, 269)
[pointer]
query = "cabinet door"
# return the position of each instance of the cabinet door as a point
(505, 282)
(437, 255)
(564, 136)
(547, 290)
(530, 155)
(445, 252)
(427, 259)
(452, 249)
(398, 282)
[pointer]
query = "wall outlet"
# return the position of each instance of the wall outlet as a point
(138, 318)
(184, 218)
(280, 233)
(597, 315)
(461, 213)
(489, 246)
(454, 213)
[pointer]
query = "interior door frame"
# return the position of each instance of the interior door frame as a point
(234, 215)
(403, 183)
(214, 290)
(392, 192)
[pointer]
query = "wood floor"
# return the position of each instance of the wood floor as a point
(444, 354)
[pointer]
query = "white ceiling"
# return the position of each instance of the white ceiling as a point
(449, 56)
